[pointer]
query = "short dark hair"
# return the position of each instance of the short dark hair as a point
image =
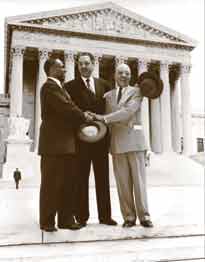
(92, 58)
(49, 62)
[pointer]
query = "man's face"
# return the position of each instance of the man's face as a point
(85, 66)
(123, 75)
(58, 70)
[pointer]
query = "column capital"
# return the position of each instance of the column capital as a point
(97, 57)
(121, 59)
(70, 55)
(143, 61)
(17, 50)
(185, 68)
(164, 64)
(44, 53)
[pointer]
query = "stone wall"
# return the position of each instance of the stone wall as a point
(4, 113)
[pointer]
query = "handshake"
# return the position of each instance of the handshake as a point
(90, 116)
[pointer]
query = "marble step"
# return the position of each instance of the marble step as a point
(189, 249)
(173, 209)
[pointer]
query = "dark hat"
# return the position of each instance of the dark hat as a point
(92, 132)
(150, 85)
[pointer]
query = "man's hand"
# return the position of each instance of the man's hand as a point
(98, 117)
(88, 116)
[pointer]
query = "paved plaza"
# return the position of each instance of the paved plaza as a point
(176, 206)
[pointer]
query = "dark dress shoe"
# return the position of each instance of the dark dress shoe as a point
(74, 226)
(146, 223)
(49, 228)
(109, 222)
(82, 224)
(129, 224)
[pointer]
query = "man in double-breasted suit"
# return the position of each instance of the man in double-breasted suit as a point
(60, 118)
(123, 109)
(87, 92)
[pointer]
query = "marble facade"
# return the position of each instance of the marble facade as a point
(114, 35)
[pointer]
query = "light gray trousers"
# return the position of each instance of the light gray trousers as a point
(130, 175)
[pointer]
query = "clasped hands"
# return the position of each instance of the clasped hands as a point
(90, 116)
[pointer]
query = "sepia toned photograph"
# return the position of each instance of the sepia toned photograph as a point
(102, 131)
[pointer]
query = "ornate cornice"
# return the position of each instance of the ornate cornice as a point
(96, 11)
(100, 36)
(107, 20)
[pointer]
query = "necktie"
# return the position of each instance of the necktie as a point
(88, 84)
(119, 94)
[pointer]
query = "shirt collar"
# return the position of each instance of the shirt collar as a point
(56, 81)
(117, 87)
(85, 78)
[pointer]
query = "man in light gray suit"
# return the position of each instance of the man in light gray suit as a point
(123, 115)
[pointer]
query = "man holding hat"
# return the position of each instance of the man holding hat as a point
(123, 108)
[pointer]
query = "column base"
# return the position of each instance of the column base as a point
(18, 155)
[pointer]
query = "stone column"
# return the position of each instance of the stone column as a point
(16, 84)
(186, 110)
(43, 56)
(155, 123)
(96, 71)
(165, 103)
(69, 65)
(175, 116)
(142, 67)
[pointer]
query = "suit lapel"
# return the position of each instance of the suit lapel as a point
(97, 87)
(61, 90)
(113, 98)
(125, 96)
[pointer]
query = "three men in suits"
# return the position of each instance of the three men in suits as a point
(87, 92)
(60, 118)
(123, 115)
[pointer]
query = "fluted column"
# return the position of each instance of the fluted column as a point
(43, 56)
(16, 84)
(165, 103)
(175, 116)
(142, 67)
(155, 123)
(69, 65)
(186, 110)
(96, 70)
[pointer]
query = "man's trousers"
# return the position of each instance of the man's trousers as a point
(130, 174)
(58, 174)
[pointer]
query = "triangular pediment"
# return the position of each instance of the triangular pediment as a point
(105, 19)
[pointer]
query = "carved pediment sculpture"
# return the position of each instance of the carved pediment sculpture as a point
(105, 19)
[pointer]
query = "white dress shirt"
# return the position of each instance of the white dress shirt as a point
(118, 89)
(92, 83)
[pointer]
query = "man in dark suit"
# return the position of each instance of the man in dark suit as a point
(60, 117)
(87, 92)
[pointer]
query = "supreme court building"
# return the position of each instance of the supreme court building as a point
(114, 35)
